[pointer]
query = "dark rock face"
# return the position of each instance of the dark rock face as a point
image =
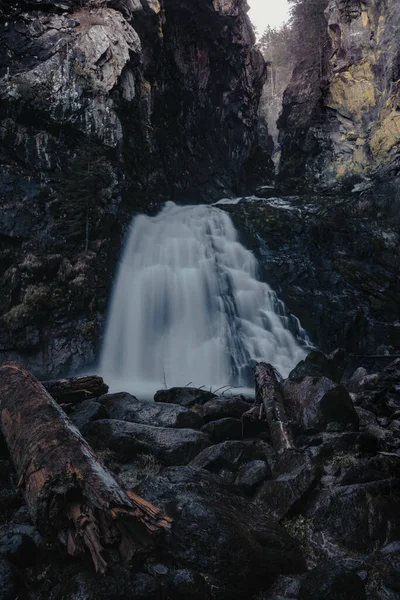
(106, 112)
(339, 126)
(224, 429)
(334, 262)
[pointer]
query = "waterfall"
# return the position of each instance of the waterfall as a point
(188, 307)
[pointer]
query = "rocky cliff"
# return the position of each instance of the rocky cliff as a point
(340, 125)
(108, 108)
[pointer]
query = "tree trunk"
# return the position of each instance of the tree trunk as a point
(269, 395)
(70, 494)
(76, 389)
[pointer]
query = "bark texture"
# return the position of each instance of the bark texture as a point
(269, 395)
(70, 494)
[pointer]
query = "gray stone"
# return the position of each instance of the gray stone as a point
(224, 429)
(252, 474)
(86, 412)
(124, 407)
(170, 446)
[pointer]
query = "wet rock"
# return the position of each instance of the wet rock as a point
(318, 364)
(170, 446)
(187, 397)
(301, 399)
(224, 429)
(19, 544)
(333, 581)
(86, 412)
(219, 534)
(296, 474)
(334, 443)
(359, 517)
(8, 589)
(388, 440)
(286, 587)
(252, 474)
(228, 458)
(124, 407)
(338, 411)
(220, 408)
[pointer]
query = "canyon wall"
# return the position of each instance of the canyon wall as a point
(340, 125)
(108, 109)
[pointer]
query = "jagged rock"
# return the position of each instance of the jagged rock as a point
(338, 411)
(252, 474)
(19, 544)
(187, 397)
(8, 589)
(220, 408)
(318, 364)
(124, 407)
(334, 581)
(359, 517)
(224, 429)
(86, 412)
(355, 381)
(228, 458)
(295, 475)
(249, 549)
(170, 446)
(302, 398)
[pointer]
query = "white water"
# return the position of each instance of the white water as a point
(188, 308)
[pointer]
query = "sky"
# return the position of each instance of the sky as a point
(268, 12)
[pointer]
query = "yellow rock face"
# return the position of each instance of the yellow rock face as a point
(386, 136)
(223, 6)
(353, 92)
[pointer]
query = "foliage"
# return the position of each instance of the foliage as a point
(298, 527)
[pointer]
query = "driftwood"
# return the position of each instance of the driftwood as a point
(70, 494)
(268, 395)
(76, 389)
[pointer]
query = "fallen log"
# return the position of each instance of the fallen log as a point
(70, 494)
(268, 395)
(75, 389)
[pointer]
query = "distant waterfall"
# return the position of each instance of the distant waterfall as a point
(187, 307)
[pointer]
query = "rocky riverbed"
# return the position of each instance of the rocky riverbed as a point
(318, 520)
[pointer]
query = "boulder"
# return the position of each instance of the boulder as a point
(220, 408)
(301, 400)
(226, 459)
(338, 411)
(252, 474)
(224, 429)
(295, 474)
(187, 397)
(219, 535)
(186, 583)
(359, 517)
(86, 412)
(355, 382)
(318, 364)
(170, 446)
(332, 581)
(124, 407)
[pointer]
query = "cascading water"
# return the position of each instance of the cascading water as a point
(188, 307)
